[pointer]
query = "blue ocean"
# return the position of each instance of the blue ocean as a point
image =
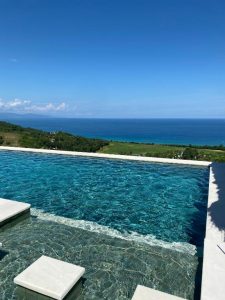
(162, 131)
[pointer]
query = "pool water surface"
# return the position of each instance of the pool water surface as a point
(165, 201)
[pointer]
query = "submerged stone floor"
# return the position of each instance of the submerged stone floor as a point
(114, 267)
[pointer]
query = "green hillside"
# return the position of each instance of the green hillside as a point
(14, 135)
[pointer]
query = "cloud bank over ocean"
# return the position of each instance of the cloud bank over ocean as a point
(27, 106)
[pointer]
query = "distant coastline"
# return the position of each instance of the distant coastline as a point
(17, 136)
(160, 131)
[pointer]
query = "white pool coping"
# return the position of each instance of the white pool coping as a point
(50, 277)
(213, 274)
(145, 293)
(11, 209)
(111, 156)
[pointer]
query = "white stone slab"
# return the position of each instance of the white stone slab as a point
(111, 156)
(145, 293)
(10, 209)
(50, 277)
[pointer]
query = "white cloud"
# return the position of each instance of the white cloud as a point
(27, 106)
(49, 107)
(16, 103)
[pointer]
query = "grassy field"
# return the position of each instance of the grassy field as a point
(166, 151)
(9, 138)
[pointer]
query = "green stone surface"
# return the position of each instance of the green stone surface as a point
(114, 267)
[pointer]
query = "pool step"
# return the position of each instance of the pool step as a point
(145, 293)
(10, 210)
(50, 277)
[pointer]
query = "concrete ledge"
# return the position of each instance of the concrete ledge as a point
(10, 210)
(213, 272)
(145, 293)
(112, 156)
(50, 277)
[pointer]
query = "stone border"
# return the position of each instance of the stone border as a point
(112, 156)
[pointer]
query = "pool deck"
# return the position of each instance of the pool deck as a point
(213, 274)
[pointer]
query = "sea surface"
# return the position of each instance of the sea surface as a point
(162, 131)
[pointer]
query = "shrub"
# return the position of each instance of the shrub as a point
(190, 153)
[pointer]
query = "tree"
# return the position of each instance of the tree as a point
(190, 153)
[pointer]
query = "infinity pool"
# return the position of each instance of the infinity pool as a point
(126, 222)
(162, 201)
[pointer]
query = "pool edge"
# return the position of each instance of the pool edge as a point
(213, 272)
(111, 156)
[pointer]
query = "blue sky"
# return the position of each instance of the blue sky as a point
(120, 58)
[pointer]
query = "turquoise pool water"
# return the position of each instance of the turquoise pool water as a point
(163, 201)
